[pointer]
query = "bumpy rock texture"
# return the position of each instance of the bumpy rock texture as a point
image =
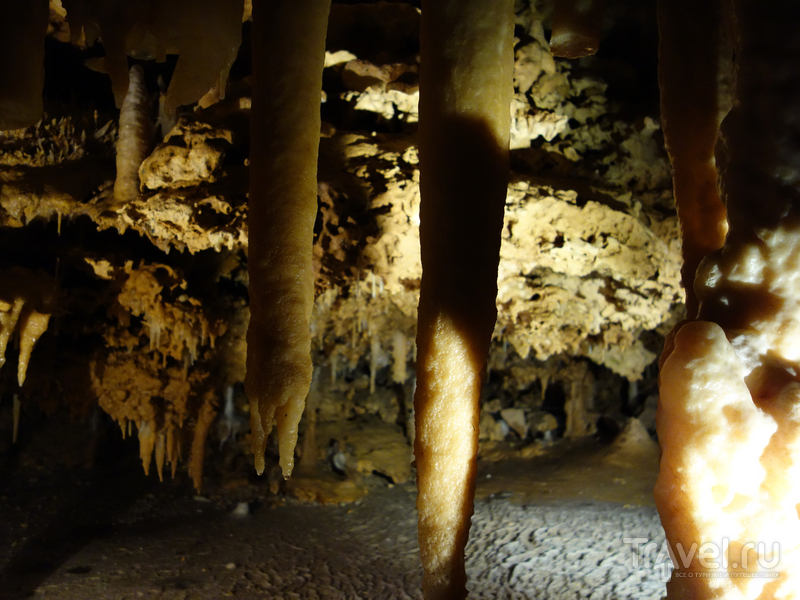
(151, 326)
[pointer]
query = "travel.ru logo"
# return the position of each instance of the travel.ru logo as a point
(753, 559)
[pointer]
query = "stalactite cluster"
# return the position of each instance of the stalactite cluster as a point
(26, 303)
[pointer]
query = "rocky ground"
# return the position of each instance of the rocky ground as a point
(552, 526)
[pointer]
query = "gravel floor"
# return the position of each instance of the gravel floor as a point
(109, 532)
(566, 551)
(186, 548)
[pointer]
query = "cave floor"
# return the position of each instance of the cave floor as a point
(585, 469)
(546, 527)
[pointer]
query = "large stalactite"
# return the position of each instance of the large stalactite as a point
(285, 126)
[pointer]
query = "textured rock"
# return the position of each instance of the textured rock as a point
(191, 154)
(370, 446)
(577, 274)
(190, 220)
(580, 273)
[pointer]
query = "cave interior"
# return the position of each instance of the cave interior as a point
(126, 466)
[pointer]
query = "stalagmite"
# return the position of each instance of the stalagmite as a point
(465, 94)
(23, 26)
(285, 128)
(135, 138)
(578, 385)
(577, 25)
(729, 412)
(688, 59)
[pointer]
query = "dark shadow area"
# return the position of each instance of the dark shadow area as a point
(73, 508)
(52, 514)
